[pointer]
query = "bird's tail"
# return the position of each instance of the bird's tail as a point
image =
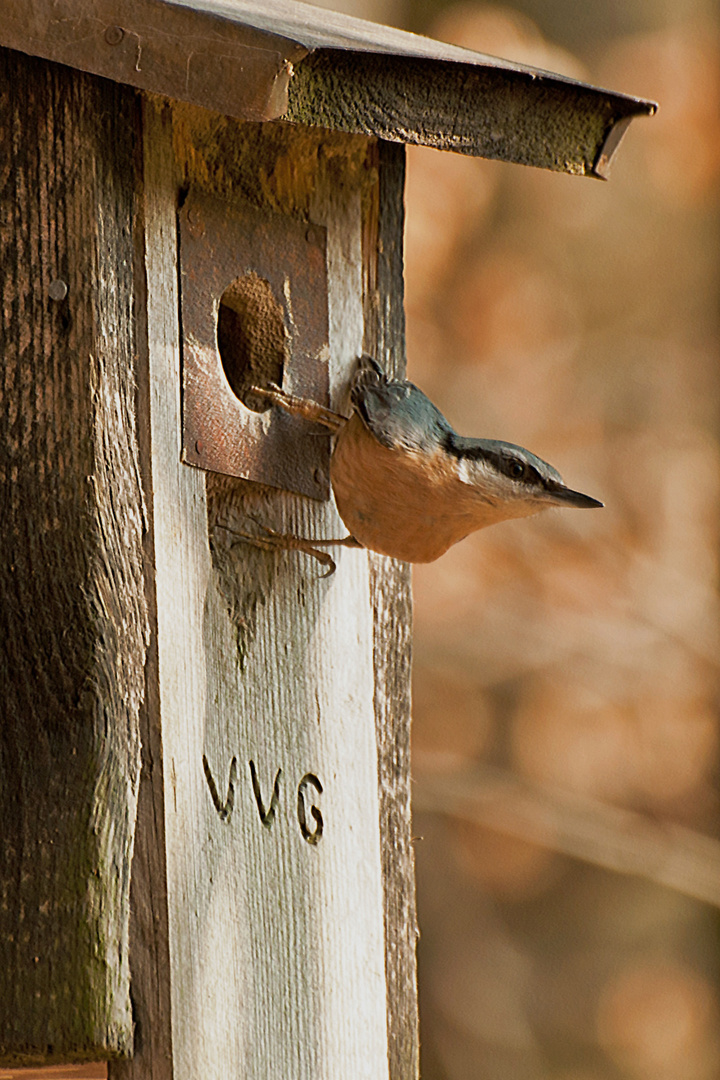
(369, 375)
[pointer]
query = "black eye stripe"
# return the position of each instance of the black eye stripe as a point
(504, 463)
(516, 469)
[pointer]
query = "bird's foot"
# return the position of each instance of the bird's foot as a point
(270, 540)
(303, 407)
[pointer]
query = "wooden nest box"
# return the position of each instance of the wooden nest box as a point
(206, 865)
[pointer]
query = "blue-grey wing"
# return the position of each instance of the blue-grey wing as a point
(395, 411)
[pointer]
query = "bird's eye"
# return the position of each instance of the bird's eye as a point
(517, 469)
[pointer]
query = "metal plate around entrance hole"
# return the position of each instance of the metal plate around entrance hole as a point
(221, 242)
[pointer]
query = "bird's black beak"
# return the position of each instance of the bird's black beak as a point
(564, 496)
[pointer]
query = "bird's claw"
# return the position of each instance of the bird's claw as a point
(275, 541)
(303, 407)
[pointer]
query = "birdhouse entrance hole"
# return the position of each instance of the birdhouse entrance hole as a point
(251, 338)
(254, 311)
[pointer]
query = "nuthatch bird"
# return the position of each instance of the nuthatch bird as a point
(407, 485)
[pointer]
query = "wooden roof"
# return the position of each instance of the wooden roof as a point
(285, 60)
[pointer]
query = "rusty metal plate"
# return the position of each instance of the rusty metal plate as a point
(280, 264)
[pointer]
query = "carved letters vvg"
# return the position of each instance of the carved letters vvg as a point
(306, 808)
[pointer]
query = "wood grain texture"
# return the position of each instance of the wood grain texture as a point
(72, 604)
(266, 683)
(149, 946)
(390, 588)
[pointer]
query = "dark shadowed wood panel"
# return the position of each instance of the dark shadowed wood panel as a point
(73, 621)
(149, 956)
(392, 608)
(149, 950)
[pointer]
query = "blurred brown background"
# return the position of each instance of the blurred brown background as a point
(566, 667)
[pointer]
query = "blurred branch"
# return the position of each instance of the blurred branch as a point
(608, 836)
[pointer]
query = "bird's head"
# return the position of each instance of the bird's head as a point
(509, 478)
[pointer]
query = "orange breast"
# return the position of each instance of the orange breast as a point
(401, 504)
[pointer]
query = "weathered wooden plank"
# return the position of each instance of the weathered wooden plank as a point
(94, 1070)
(149, 946)
(392, 634)
(73, 620)
(266, 685)
(181, 564)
